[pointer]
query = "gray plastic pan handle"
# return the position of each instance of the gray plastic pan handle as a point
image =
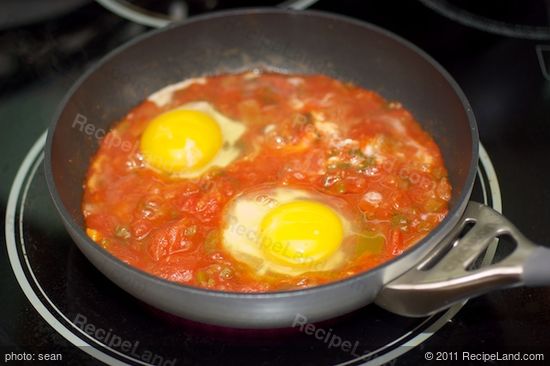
(536, 270)
(448, 275)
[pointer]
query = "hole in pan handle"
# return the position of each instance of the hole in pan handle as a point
(148, 18)
(448, 274)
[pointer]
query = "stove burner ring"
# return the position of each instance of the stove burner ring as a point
(148, 18)
(485, 24)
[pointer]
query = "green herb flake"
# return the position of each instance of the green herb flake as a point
(190, 230)
(368, 161)
(122, 232)
(399, 220)
(343, 165)
(226, 273)
(202, 278)
(369, 243)
(340, 187)
(211, 241)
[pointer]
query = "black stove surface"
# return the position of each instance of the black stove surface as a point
(498, 53)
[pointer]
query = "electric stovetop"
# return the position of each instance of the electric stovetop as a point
(55, 304)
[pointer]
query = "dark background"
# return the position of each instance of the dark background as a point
(44, 49)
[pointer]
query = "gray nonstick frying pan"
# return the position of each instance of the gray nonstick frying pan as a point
(426, 278)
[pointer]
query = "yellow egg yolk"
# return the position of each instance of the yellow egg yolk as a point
(181, 141)
(300, 233)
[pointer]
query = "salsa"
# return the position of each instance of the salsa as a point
(308, 132)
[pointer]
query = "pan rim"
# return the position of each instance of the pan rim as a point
(444, 227)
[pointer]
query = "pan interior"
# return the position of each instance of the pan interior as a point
(292, 42)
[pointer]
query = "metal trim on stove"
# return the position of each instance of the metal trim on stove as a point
(148, 18)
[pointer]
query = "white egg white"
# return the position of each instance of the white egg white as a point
(241, 232)
(164, 95)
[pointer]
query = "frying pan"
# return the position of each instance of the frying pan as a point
(430, 276)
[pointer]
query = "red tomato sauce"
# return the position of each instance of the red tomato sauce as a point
(301, 130)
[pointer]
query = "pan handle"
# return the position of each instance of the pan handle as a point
(449, 273)
(148, 18)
